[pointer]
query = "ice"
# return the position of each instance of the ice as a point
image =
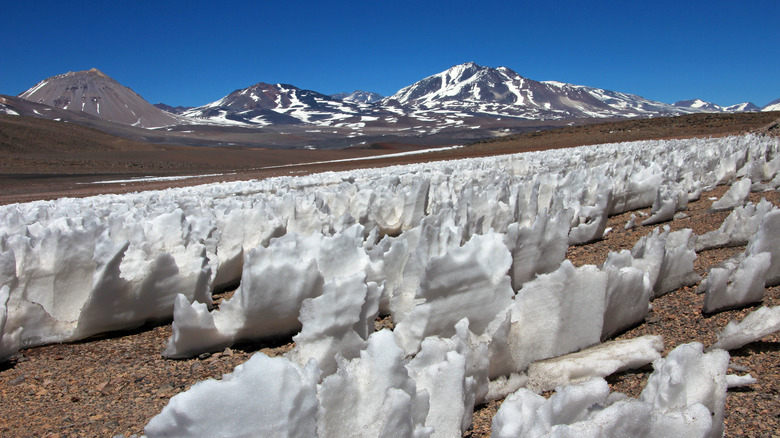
(676, 269)
(759, 323)
(734, 381)
(627, 296)
(767, 239)
(687, 377)
(598, 361)
(539, 248)
(557, 313)
(685, 394)
(631, 223)
(262, 397)
(330, 320)
(434, 236)
(372, 395)
(275, 282)
(9, 342)
(442, 371)
(736, 282)
(585, 410)
(736, 196)
(667, 203)
(738, 227)
(112, 262)
(591, 221)
(466, 282)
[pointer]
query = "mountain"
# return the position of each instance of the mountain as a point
(468, 101)
(474, 89)
(742, 107)
(358, 96)
(172, 109)
(463, 97)
(94, 93)
(699, 105)
(772, 106)
(264, 104)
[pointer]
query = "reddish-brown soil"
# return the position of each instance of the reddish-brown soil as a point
(114, 384)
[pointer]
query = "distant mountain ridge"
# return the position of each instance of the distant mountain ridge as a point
(503, 92)
(464, 96)
(698, 104)
(772, 106)
(358, 96)
(172, 109)
(265, 104)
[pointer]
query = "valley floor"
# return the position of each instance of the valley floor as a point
(32, 169)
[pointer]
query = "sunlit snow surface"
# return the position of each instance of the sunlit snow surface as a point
(466, 256)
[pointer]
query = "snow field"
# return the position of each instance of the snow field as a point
(466, 256)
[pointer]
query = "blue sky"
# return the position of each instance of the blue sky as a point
(192, 53)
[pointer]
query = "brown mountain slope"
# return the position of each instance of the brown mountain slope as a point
(95, 93)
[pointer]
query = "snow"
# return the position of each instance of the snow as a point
(262, 397)
(467, 257)
(598, 361)
(773, 106)
(5, 110)
(373, 395)
(155, 178)
(767, 239)
(736, 282)
(738, 227)
(685, 394)
(734, 381)
(29, 93)
(736, 196)
(759, 323)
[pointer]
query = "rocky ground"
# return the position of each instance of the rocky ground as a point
(114, 384)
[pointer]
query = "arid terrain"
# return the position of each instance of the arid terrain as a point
(113, 384)
(43, 159)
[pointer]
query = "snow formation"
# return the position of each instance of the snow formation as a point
(443, 248)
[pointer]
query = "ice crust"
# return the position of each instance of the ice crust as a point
(738, 227)
(685, 394)
(737, 195)
(767, 239)
(262, 397)
(759, 323)
(599, 361)
(736, 282)
(466, 256)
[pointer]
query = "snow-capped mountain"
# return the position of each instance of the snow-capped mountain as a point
(772, 106)
(172, 109)
(358, 96)
(503, 92)
(263, 104)
(699, 105)
(95, 93)
(451, 99)
(463, 98)
(742, 107)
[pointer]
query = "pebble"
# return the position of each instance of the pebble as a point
(16, 381)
